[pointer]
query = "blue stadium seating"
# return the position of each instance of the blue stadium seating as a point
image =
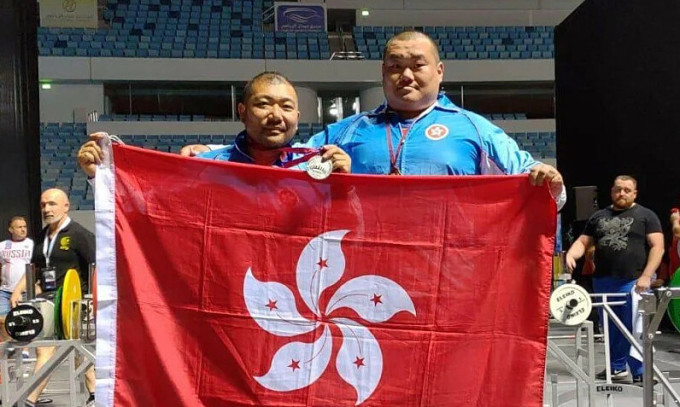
(234, 29)
(192, 28)
(468, 42)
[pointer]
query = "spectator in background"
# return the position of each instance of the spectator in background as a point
(629, 247)
(15, 254)
(63, 244)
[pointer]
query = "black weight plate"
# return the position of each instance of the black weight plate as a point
(23, 323)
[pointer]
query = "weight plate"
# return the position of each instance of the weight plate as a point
(570, 304)
(23, 323)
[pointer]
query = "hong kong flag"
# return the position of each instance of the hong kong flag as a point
(223, 284)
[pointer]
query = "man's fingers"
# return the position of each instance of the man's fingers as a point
(539, 178)
(543, 172)
(98, 135)
(328, 151)
(88, 158)
(90, 154)
(186, 151)
(340, 164)
(192, 150)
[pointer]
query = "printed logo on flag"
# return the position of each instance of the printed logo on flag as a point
(374, 298)
(436, 132)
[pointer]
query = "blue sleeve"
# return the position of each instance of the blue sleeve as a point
(218, 154)
(317, 140)
(335, 133)
(502, 154)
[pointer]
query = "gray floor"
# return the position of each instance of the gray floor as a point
(666, 357)
(58, 386)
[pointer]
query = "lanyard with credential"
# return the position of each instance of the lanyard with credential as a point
(394, 157)
(48, 244)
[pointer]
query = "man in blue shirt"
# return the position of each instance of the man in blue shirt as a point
(270, 114)
(417, 131)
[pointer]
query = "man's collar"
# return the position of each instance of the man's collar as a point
(442, 103)
(241, 147)
(63, 226)
(615, 209)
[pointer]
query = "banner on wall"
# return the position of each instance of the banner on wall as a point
(68, 13)
(296, 17)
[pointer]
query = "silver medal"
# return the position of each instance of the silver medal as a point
(319, 169)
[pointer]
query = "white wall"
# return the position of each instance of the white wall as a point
(459, 12)
(308, 104)
(451, 5)
(462, 17)
(85, 218)
(69, 102)
(515, 126)
(371, 98)
(350, 74)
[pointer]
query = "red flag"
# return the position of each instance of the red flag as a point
(224, 284)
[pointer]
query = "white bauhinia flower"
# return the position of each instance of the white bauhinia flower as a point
(374, 298)
(272, 306)
(359, 361)
(299, 364)
(320, 265)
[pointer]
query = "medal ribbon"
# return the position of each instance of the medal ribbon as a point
(394, 157)
(308, 153)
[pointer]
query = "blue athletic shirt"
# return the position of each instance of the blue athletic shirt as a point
(444, 140)
(237, 152)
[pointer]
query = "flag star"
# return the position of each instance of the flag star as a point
(272, 305)
(322, 263)
(294, 364)
(437, 131)
(376, 299)
(359, 362)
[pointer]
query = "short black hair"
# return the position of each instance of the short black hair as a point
(413, 35)
(270, 77)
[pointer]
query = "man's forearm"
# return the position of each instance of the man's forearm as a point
(653, 261)
(577, 250)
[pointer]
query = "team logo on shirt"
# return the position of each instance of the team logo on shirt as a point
(436, 132)
(64, 243)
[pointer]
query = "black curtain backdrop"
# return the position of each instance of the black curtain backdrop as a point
(617, 70)
(19, 117)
